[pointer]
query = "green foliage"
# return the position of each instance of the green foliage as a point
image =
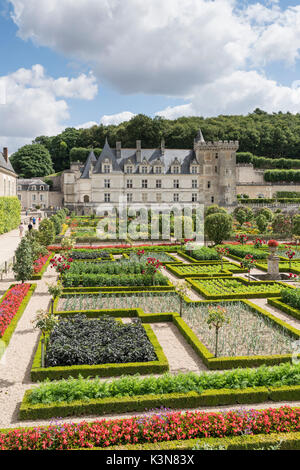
(10, 213)
(291, 297)
(296, 225)
(214, 209)
(282, 224)
(81, 341)
(218, 227)
(46, 232)
(32, 161)
(239, 379)
(23, 267)
(282, 176)
(98, 280)
(262, 223)
(80, 154)
(266, 212)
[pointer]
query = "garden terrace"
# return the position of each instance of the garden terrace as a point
(99, 347)
(235, 288)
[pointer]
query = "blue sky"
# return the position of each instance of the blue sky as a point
(74, 62)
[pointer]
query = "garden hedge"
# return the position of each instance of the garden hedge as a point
(277, 302)
(252, 295)
(10, 213)
(13, 324)
(102, 370)
(117, 289)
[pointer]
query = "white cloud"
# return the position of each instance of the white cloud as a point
(116, 119)
(86, 125)
(161, 47)
(33, 104)
(238, 93)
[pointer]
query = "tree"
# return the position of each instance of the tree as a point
(218, 227)
(282, 224)
(240, 215)
(261, 223)
(214, 209)
(296, 225)
(217, 318)
(23, 267)
(32, 161)
(46, 232)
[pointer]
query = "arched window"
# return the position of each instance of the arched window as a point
(86, 199)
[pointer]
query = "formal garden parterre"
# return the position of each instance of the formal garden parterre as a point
(101, 355)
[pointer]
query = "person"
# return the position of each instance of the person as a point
(21, 229)
(30, 226)
(33, 220)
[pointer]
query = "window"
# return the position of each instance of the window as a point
(194, 197)
(158, 184)
(144, 197)
(20, 197)
(208, 184)
(176, 197)
(106, 197)
(176, 169)
(34, 197)
(86, 199)
(33, 188)
(212, 199)
(41, 188)
(129, 184)
(194, 170)
(158, 197)
(129, 169)
(129, 197)
(144, 169)
(19, 188)
(216, 169)
(41, 197)
(194, 184)
(176, 184)
(217, 155)
(106, 168)
(144, 184)
(227, 171)
(107, 184)
(158, 170)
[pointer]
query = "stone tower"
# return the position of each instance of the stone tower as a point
(217, 162)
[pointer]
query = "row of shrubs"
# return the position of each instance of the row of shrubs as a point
(120, 267)
(96, 280)
(291, 297)
(10, 213)
(263, 162)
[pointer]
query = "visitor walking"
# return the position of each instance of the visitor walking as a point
(33, 220)
(21, 229)
(30, 226)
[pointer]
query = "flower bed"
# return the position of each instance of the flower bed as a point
(204, 270)
(248, 332)
(12, 306)
(237, 288)
(102, 347)
(152, 429)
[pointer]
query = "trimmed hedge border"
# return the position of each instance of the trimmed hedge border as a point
(13, 324)
(284, 307)
(252, 295)
(38, 276)
(102, 370)
(225, 273)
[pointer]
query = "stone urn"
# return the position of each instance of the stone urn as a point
(273, 244)
(273, 261)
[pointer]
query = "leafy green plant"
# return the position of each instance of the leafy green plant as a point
(217, 318)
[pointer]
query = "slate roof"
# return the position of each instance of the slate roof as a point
(6, 165)
(88, 165)
(183, 156)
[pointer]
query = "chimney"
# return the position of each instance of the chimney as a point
(138, 151)
(118, 149)
(163, 146)
(5, 154)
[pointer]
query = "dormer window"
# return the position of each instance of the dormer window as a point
(176, 169)
(106, 168)
(33, 188)
(144, 169)
(194, 169)
(41, 188)
(158, 170)
(129, 169)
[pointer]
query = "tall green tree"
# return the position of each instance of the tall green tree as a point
(32, 161)
(23, 266)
